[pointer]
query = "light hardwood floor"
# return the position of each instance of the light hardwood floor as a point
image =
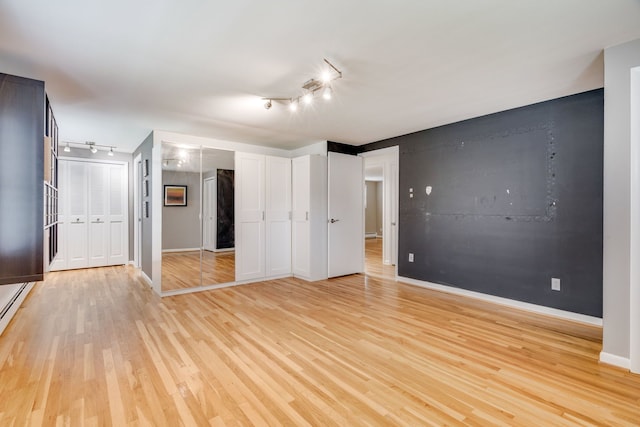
(181, 270)
(373, 265)
(98, 347)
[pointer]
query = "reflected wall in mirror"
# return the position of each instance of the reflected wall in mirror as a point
(218, 237)
(198, 239)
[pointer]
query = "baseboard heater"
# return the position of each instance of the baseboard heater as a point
(13, 303)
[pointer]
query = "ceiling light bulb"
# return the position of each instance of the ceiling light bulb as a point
(308, 97)
(67, 149)
(110, 153)
(293, 105)
(327, 92)
(94, 150)
(326, 76)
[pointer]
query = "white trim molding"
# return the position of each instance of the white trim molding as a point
(540, 309)
(14, 304)
(180, 250)
(146, 278)
(612, 359)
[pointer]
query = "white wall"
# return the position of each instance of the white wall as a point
(619, 187)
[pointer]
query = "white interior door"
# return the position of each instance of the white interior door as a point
(346, 215)
(278, 216)
(250, 216)
(209, 214)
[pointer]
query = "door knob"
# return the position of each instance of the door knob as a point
(333, 220)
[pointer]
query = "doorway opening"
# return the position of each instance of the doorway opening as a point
(381, 212)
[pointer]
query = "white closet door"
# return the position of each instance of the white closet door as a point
(76, 217)
(278, 216)
(117, 218)
(300, 216)
(250, 216)
(98, 214)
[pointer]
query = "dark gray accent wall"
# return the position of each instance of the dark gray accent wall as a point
(515, 200)
(225, 210)
(145, 149)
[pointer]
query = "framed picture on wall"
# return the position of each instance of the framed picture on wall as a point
(145, 209)
(145, 188)
(175, 195)
(145, 167)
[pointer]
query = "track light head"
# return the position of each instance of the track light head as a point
(308, 97)
(327, 93)
(110, 153)
(268, 104)
(67, 149)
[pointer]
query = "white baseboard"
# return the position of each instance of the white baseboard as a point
(612, 359)
(224, 250)
(15, 305)
(370, 235)
(181, 250)
(540, 309)
(146, 278)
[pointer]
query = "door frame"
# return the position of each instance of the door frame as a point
(214, 222)
(389, 158)
(137, 205)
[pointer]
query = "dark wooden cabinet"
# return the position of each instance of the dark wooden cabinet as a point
(23, 112)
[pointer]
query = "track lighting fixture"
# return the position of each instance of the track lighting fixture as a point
(93, 147)
(309, 89)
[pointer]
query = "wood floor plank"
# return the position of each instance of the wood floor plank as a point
(98, 347)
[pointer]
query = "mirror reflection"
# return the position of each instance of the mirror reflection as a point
(197, 217)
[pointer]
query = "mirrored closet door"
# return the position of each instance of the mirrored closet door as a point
(197, 217)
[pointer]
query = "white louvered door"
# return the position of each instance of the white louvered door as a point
(93, 215)
(98, 208)
(75, 239)
(117, 218)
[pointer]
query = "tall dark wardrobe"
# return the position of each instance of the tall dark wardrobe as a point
(28, 180)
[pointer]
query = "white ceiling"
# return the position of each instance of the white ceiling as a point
(117, 69)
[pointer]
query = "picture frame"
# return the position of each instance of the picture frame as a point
(145, 208)
(175, 195)
(145, 188)
(145, 167)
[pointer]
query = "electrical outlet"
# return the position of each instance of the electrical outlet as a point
(555, 284)
(410, 257)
